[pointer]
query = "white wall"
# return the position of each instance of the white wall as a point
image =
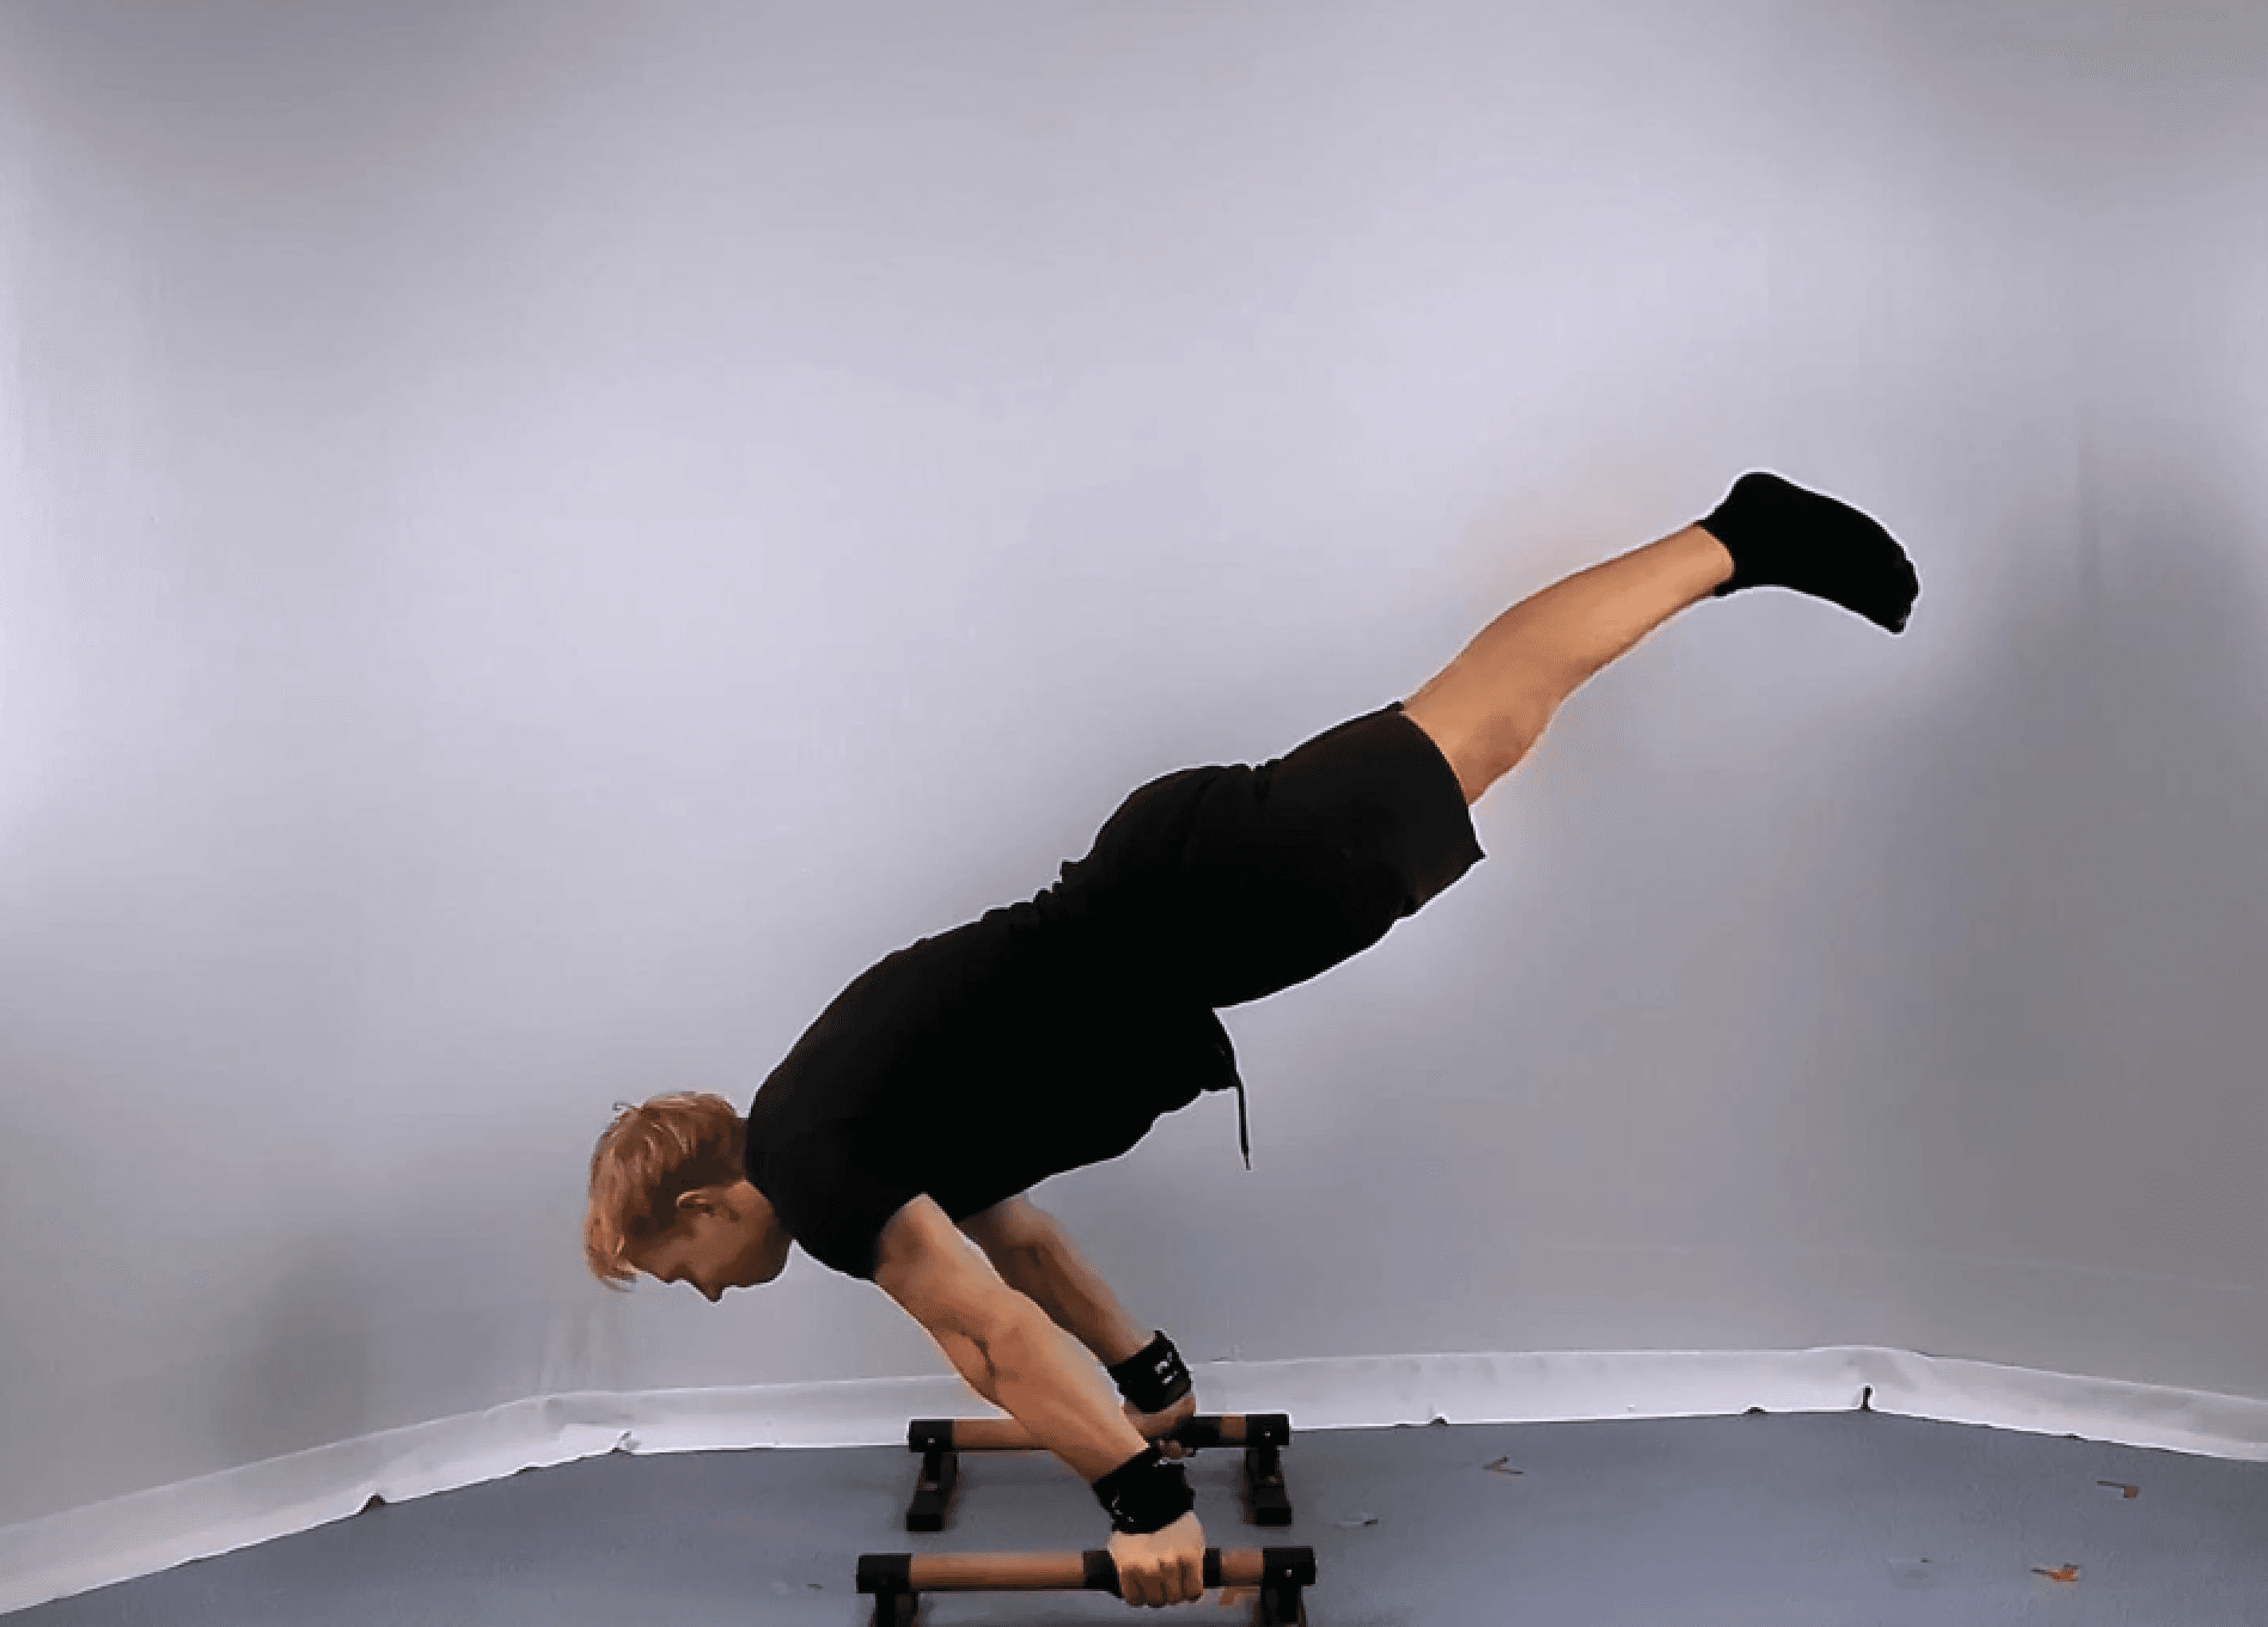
(541, 539)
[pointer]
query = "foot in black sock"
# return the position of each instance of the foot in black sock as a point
(1780, 535)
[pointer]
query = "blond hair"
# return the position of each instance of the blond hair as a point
(649, 1156)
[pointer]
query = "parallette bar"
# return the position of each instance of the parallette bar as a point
(1008, 1435)
(1065, 1570)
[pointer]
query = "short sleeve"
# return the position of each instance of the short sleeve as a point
(835, 1198)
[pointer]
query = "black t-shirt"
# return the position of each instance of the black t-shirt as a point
(970, 1066)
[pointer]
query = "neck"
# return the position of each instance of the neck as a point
(776, 1239)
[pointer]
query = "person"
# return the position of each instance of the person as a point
(897, 1141)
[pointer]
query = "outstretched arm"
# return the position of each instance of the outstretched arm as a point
(1042, 1379)
(1051, 1272)
(1056, 1277)
(1004, 1345)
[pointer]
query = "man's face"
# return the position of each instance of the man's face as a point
(708, 1248)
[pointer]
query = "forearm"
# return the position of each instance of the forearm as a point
(1057, 1277)
(1042, 1379)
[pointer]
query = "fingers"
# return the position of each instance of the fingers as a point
(1174, 1585)
(1187, 1590)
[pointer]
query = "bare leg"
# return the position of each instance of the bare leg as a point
(1490, 706)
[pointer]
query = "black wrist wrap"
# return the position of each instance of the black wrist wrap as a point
(1146, 1494)
(1153, 1378)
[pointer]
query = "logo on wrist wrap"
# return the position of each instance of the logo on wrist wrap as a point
(1153, 1378)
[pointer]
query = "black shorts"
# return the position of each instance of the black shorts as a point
(1236, 882)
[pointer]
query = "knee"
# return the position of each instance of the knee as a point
(1503, 747)
(1483, 742)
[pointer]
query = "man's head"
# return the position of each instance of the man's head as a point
(669, 1197)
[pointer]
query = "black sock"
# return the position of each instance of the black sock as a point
(1780, 535)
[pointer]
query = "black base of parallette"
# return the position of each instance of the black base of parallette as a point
(1265, 1435)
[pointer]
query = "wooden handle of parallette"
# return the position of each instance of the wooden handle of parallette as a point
(1224, 1567)
(1008, 1435)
